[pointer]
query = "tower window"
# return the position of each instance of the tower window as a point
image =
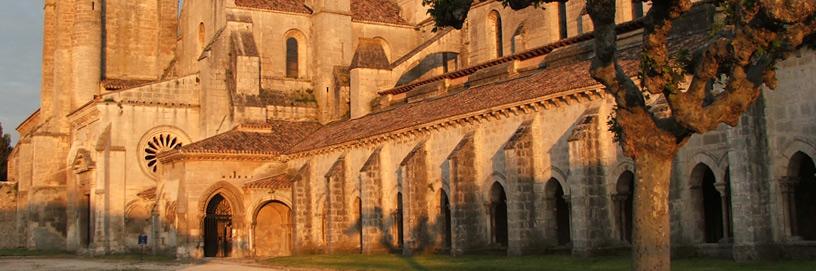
(292, 58)
(201, 36)
(495, 25)
(562, 19)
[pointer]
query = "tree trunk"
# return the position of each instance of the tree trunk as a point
(651, 237)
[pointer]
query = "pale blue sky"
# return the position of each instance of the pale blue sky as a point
(20, 60)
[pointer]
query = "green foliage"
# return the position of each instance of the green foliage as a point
(5, 151)
(614, 127)
(452, 13)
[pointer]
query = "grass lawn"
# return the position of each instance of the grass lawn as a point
(22, 252)
(546, 262)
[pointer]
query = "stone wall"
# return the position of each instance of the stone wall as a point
(8, 214)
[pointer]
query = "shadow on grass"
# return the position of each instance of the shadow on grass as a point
(22, 252)
(542, 262)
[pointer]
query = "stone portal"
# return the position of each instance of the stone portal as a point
(218, 228)
(273, 230)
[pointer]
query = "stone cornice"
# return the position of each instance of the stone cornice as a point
(547, 102)
(271, 11)
(30, 121)
(409, 26)
(84, 116)
(174, 156)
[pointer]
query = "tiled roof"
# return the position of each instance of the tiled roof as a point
(296, 6)
(527, 86)
(275, 137)
(541, 83)
(274, 182)
(380, 11)
(370, 54)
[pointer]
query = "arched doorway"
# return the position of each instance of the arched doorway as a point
(445, 212)
(709, 203)
(803, 196)
(498, 214)
(218, 228)
(561, 211)
(273, 230)
(623, 202)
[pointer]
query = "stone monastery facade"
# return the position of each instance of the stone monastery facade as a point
(239, 128)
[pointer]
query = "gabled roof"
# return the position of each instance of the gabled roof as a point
(378, 11)
(295, 6)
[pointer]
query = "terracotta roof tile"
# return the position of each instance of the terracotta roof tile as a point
(380, 11)
(275, 137)
(541, 83)
(370, 54)
(296, 6)
(528, 86)
(274, 182)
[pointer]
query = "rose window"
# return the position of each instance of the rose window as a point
(159, 143)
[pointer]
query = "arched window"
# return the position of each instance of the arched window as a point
(202, 35)
(562, 20)
(799, 197)
(560, 212)
(495, 32)
(498, 215)
(709, 203)
(292, 58)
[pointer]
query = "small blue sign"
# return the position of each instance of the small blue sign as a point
(142, 239)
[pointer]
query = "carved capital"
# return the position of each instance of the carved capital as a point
(721, 187)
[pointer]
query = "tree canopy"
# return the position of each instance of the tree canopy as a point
(713, 84)
(5, 151)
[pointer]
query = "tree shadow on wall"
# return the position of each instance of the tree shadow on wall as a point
(425, 241)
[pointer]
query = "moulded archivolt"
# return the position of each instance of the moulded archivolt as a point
(158, 140)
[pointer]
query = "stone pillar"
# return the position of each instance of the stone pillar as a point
(620, 214)
(787, 185)
(365, 82)
(750, 186)
(588, 204)
(63, 64)
(372, 213)
(726, 211)
(465, 215)
(47, 91)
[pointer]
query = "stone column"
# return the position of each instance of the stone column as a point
(787, 185)
(726, 212)
(620, 201)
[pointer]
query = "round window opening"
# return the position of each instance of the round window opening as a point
(161, 142)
